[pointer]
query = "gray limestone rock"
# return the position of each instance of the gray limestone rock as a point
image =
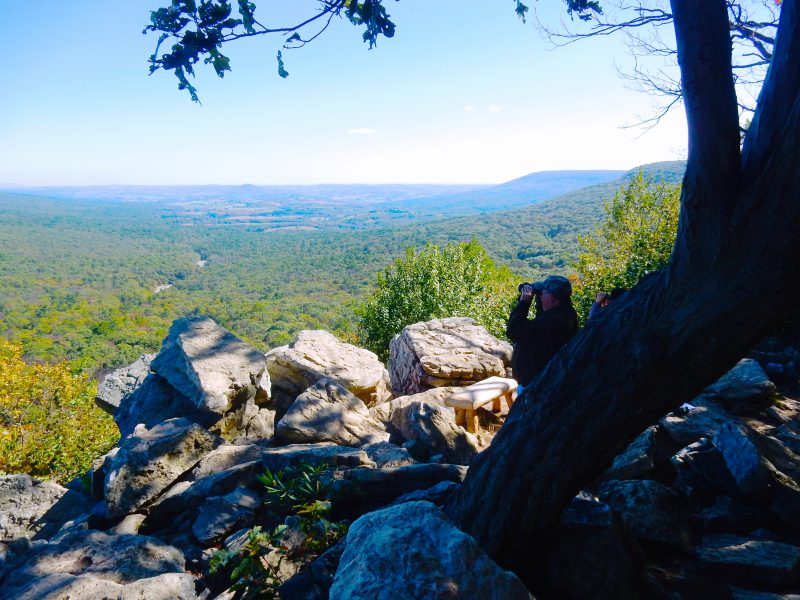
(454, 351)
(750, 561)
(29, 507)
(751, 470)
(276, 459)
(383, 412)
(434, 432)
(316, 355)
(211, 367)
(79, 564)
(247, 423)
(328, 412)
(386, 454)
(221, 515)
(149, 461)
(122, 382)
(437, 494)
(226, 456)
(650, 510)
(412, 550)
(728, 515)
(169, 586)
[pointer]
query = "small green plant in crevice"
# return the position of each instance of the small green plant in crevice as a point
(300, 492)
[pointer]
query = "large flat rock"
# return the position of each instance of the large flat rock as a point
(454, 351)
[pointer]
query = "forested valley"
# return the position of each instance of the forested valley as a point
(97, 282)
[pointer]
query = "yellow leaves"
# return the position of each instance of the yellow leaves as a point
(49, 424)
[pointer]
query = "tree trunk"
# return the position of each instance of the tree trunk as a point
(734, 274)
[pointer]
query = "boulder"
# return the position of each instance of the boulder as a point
(29, 507)
(637, 459)
(211, 367)
(386, 454)
(277, 459)
(701, 474)
(82, 564)
(454, 351)
(702, 418)
(592, 551)
(728, 515)
(150, 460)
(650, 510)
(122, 382)
(363, 489)
(746, 382)
(745, 560)
(434, 434)
(221, 515)
(383, 412)
(317, 354)
(751, 470)
(412, 550)
(168, 586)
(247, 423)
(437, 494)
(226, 456)
(328, 412)
(315, 582)
(153, 402)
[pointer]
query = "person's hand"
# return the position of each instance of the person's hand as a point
(602, 298)
(527, 293)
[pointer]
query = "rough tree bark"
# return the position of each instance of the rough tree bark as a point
(734, 274)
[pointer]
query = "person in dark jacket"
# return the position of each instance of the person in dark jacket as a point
(537, 340)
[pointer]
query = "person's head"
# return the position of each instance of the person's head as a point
(616, 293)
(554, 290)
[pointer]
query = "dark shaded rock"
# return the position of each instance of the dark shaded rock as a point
(702, 420)
(745, 462)
(122, 382)
(748, 561)
(149, 461)
(637, 459)
(221, 515)
(727, 515)
(315, 582)
(412, 550)
(154, 402)
(277, 459)
(745, 387)
(650, 510)
(592, 556)
(438, 494)
(701, 474)
(226, 456)
(363, 489)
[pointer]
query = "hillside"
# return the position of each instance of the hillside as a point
(87, 279)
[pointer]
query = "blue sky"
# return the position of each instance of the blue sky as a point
(464, 93)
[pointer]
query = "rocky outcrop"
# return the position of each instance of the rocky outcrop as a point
(149, 461)
(383, 412)
(316, 355)
(29, 507)
(122, 382)
(412, 550)
(327, 412)
(211, 367)
(431, 434)
(93, 564)
(445, 352)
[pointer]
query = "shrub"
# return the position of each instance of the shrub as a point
(459, 279)
(636, 239)
(49, 425)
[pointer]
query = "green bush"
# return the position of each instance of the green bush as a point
(49, 425)
(459, 279)
(636, 239)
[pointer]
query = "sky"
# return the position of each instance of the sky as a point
(464, 93)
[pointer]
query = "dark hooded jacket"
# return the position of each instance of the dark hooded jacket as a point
(537, 340)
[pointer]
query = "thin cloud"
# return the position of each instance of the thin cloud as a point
(495, 108)
(361, 131)
(469, 108)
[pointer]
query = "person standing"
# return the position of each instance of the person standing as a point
(537, 340)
